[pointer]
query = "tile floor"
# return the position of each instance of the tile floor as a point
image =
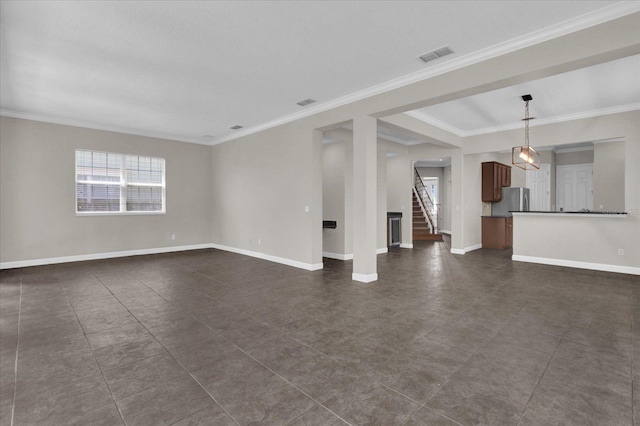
(213, 338)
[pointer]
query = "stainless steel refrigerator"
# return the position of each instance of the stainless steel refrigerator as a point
(513, 199)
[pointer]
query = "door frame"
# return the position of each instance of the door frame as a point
(559, 180)
(547, 182)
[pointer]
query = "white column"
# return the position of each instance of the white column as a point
(365, 183)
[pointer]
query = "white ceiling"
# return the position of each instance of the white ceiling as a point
(608, 87)
(187, 69)
(435, 162)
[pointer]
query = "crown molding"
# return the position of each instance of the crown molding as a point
(426, 118)
(558, 119)
(577, 149)
(98, 126)
(616, 10)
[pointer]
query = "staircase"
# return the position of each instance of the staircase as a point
(424, 225)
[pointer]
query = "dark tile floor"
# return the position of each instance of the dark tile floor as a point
(213, 338)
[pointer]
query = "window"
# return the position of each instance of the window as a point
(118, 183)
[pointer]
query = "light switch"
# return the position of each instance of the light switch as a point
(306, 209)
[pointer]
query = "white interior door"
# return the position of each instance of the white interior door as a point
(539, 184)
(574, 187)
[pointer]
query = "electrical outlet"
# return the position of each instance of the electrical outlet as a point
(259, 241)
(173, 236)
(306, 209)
(620, 252)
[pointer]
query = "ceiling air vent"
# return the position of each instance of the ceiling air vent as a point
(236, 127)
(305, 102)
(435, 54)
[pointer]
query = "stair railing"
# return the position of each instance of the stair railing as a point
(425, 201)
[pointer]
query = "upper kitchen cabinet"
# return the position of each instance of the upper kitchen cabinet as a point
(494, 176)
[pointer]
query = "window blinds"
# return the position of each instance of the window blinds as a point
(119, 183)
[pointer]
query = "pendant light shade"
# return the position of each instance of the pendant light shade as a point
(524, 156)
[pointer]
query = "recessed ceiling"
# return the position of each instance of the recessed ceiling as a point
(609, 87)
(434, 162)
(186, 69)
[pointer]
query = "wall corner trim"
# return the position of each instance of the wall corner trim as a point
(457, 251)
(577, 264)
(382, 250)
(364, 278)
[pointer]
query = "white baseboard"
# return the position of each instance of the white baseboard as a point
(576, 264)
(277, 259)
(349, 256)
(98, 256)
(466, 249)
(364, 278)
(126, 253)
(444, 231)
(337, 256)
(472, 248)
(406, 245)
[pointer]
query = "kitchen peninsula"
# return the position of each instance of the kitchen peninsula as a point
(587, 239)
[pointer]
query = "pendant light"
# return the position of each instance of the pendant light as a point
(525, 157)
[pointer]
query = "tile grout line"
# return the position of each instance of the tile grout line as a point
(95, 359)
(541, 376)
(290, 422)
(15, 365)
(633, 418)
(243, 351)
(169, 352)
(424, 404)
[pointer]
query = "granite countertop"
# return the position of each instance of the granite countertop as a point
(593, 212)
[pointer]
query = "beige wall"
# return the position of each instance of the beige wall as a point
(446, 199)
(333, 196)
(37, 194)
(574, 157)
(261, 185)
(581, 239)
(381, 241)
(399, 193)
(608, 176)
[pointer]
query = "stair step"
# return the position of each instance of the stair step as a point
(429, 237)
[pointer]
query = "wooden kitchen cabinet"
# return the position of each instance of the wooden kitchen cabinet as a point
(495, 176)
(497, 232)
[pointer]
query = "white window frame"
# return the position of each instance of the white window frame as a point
(123, 186)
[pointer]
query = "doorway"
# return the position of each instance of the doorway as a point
(539, 184)
(431, 188)
(574, 187)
